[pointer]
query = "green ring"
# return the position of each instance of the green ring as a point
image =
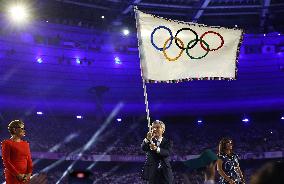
(187, 48)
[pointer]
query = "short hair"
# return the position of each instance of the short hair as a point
(14, 124)
(271, 172)
(161, 123)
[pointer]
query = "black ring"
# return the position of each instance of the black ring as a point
(196, 38)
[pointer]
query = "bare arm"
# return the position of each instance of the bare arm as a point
(238, 169)
(240, 173)
(222, 173)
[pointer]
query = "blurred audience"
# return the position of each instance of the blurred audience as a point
(189, 140)
(270, 173)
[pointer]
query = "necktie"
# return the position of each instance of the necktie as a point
(155, 141)
(158, 143)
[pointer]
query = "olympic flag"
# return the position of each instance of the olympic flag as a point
(175, 51)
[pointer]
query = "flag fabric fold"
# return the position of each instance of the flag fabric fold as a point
(174, 51)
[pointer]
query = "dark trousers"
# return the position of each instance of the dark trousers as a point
(159, 178)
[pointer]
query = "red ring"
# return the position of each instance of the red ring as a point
(201, 44)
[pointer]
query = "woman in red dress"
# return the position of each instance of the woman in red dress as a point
(16, 155)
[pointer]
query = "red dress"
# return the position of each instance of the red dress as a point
(16, 159)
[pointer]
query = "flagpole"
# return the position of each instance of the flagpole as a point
(146, 102)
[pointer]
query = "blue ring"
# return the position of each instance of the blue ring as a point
(152, 39)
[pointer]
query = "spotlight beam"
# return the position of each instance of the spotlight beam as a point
(108, 173)
(110, 148)
(57, 146)
(130, 7)
(93, 139)
(51, 166)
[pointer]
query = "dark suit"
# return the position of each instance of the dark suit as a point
(157, 168)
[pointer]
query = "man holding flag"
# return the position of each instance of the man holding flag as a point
(157, 168)
(174, 51)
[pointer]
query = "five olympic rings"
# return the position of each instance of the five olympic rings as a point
(179, 43)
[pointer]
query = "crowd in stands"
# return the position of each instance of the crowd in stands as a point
(98, 41)
(121, 139)
(124, 138)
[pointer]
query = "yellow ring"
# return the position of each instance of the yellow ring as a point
(164, 49)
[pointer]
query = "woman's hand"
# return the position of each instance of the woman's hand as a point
(27, 177)
(20, 177)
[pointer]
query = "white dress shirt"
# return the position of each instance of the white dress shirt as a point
(158, 143)
(209, 182)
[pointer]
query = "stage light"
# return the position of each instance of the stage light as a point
(118, 119)
(117, 60)
(79, 117)
(199, 122)
(236, 25)
(102, 17)
(245, 120)
(39, 113)
(282, 118)
(18, 13)
(78, 61)
(279, 34)
(264, 34)
(80, 175)
(39, 60)
(46, 21)
(125, 32)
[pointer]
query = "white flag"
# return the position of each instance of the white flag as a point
(172, 50)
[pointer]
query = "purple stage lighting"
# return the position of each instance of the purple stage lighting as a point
(125, 32)
(78, 61)
(282, 118)
(118, 119)
(39, 60)
(39, 113)
(245, 120)
(117, 60)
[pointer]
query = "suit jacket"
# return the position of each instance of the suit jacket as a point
(154, 159)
